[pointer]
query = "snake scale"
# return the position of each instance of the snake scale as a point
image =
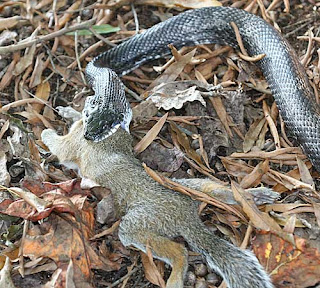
(108, 109)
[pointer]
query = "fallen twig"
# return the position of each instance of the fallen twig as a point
(24, 43)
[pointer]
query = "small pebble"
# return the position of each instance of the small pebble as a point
(7, 11)
(87, 13)
(195, 144)
(190, 279)
(212, 278)
(201, 283)
(200, 270)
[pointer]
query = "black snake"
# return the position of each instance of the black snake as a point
(108, 109)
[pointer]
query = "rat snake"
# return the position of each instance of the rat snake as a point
(108, 109)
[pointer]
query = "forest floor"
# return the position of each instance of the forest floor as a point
(65, 234)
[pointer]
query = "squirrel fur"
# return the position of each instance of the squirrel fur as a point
(152, 214)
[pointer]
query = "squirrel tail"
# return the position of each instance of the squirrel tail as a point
(239, 268)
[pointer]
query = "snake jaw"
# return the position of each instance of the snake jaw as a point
(101, 124)
(108, 110)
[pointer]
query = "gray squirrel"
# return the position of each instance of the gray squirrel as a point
(153, 215)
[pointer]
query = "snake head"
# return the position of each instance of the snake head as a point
(108, 110)
(99, 126)
(101, 121)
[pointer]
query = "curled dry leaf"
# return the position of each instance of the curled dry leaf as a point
(25, 61)
(252, 135)
(176, 99)
(43, 93)
(37, 203)
(254, 178)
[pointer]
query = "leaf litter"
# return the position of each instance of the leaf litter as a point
(204, 113)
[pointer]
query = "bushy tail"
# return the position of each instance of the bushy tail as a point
(239, 268)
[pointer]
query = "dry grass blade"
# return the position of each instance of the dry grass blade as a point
(272, 125)
(20, 103)
(151, 135)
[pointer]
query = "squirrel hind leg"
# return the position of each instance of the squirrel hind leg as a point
(174, 254)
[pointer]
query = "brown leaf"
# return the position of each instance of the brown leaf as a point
(254, 178)
(36, 76)
(260, 220)
(25, 61)
(304, 172)
(151, 135)
(150, 269)
(222, 114)
(288, 265)
(9, 22)
(253, 134)
(173, 71)
(43, 93)
(64, 238)
(6, 78)
(272, 125)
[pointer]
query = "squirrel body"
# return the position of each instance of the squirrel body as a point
(153, 215)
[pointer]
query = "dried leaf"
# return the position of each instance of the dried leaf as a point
(222, 114)
(304, 172)
(43, 93)
(150, 269)
(173, 71)
(25, 61)
(9, 22)
(37, 203)
(151, 135)
(295, 265)
(176, 99)
(254, 178)
(252, 135)
(259, 219)
(5, 275)
(36, 76)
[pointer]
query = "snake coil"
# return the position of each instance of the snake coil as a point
(108, 109)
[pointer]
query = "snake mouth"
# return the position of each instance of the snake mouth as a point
(100, 125)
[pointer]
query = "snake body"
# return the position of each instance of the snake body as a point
(108, 109)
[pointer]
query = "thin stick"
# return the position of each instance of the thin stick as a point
(239, 39)
(135, 16)
(20, 46)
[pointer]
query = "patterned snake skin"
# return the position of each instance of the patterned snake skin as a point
(109, 109)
